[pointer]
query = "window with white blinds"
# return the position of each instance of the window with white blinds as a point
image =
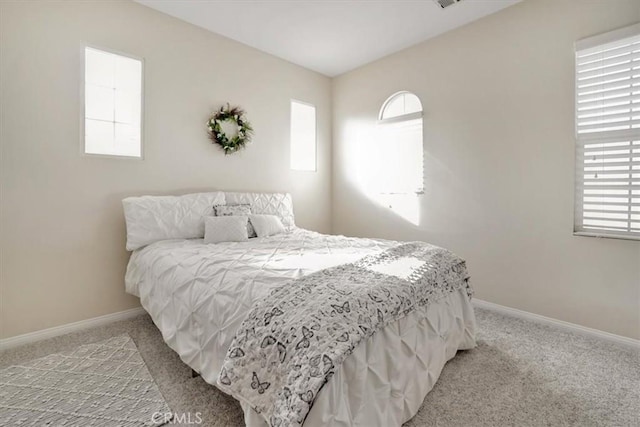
(607, 201)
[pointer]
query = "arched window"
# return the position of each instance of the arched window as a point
(400, 152)
(401, 105)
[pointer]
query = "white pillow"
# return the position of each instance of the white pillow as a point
(231, 228)
(154, 218)
(266, 225)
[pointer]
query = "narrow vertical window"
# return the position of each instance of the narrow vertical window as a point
(400, 152)
(303, 136)
(112, 104)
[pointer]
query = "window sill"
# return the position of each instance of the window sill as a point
(112, 156)
(605, 236)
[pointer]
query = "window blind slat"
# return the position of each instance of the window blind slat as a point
(613, 212)
(610, 173)
(600, 86)
(592, 225)
(605, 104)
(611, 78)
(603, 60)
(613, 181)
(610, 187)
(610, 117)
(608, 94)
(623, 96)
(607, 224)
(609, 49)
(605, 65)
(623, 135)
(606, 204)
(633, 164)
(608, 72)
(608, 215)
(596, 157)
(603, 127)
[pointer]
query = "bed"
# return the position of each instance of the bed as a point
(200, 294)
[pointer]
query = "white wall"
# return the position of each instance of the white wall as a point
(62, 230)
(498, 98)
(499, 160)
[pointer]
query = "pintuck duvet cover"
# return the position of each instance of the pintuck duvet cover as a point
(388, 317)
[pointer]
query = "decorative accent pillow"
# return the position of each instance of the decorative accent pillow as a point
(232, 210)
(229, 228)
(154, 218)
(266, 225)
(278, 204)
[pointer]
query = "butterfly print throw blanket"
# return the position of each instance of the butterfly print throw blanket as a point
(293, 341)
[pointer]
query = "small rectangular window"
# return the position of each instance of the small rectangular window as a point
(112, 104)
(607, 200)
(303, 136)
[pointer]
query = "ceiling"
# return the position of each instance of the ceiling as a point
(329, 36)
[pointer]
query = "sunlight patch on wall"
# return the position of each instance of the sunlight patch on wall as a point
(367, 164)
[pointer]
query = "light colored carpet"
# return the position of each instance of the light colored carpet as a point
(102, 384)
(521, 374)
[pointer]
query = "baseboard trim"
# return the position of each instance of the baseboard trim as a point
(69, 327)
(572, 327)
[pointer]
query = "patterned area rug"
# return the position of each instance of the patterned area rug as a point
(102, 384)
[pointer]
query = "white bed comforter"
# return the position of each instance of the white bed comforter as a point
(198, 295)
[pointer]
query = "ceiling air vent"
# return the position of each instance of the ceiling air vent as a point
(446, 3)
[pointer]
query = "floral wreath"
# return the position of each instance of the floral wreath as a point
(217, 135)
